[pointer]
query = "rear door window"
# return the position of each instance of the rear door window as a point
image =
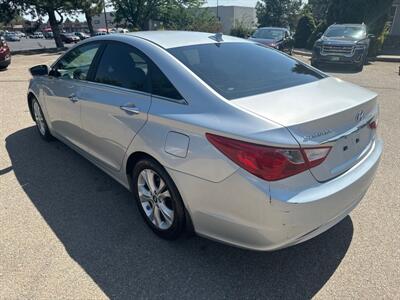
(123, 66)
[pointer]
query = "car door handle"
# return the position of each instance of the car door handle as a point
(132, 109)
(73, 98)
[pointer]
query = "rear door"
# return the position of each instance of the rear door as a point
(114, 105)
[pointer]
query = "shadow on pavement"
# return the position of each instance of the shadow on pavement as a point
(96, 220)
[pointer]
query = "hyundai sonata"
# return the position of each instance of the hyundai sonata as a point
(224, 136)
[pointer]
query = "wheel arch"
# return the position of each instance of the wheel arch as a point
(132, 160)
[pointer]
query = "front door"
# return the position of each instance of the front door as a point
(62, 88)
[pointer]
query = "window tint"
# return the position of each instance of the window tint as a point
(76, 63)
(238, 70)
(161, 86)
(121, 65)
(269, 33)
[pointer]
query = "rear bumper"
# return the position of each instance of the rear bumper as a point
(248, 212)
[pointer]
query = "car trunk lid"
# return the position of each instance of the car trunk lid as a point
(328, 112)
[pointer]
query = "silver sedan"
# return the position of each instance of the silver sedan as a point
(213, 134)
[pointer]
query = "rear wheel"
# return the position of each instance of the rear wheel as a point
(158, 199)
(41, 123)
(359, 67)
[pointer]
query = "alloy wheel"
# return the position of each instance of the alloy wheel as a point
(155, 199)
(39, 118)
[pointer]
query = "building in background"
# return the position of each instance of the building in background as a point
(99, 21)
(231, 15)
(395, 27)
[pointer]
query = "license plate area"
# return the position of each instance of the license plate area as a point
(345, 153)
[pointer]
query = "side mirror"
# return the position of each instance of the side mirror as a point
(371, 36)
(40, 70)
(319, 34)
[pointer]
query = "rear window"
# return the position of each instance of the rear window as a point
(237, 70)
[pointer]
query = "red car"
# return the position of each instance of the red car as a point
(5, 54)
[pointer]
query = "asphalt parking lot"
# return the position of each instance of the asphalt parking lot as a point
(67, 230)
(33, 44)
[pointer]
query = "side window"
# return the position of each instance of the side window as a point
(161, 86)
(121, 65)
(76, 63)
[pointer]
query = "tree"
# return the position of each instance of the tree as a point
(8, 11)
(242, 29)
(137, 12)
(40, 8)
(281, 13)
(89, 8)
(188, 15)
(319, 30)
(373, 13)
(304, 29)
(319, 8)
(175, 14)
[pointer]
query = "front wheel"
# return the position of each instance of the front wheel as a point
(41, 123)
(158, 199)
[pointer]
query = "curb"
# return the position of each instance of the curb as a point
(300, 52)
(387, 58)
(38, 51)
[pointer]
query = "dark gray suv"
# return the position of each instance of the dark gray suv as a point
(342, 44)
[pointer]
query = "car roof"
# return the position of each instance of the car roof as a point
(173, 39)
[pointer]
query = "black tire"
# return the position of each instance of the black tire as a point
(44, 132)
(175, 201)
(359, 67)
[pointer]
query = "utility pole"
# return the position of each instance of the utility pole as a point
(217, 11)
(105, 16)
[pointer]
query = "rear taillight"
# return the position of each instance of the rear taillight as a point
(269, 163)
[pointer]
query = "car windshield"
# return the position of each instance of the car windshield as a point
(238, 70)
(271, 34)
(354, 32)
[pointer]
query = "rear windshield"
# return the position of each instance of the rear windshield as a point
(272, 34)
(237, 70)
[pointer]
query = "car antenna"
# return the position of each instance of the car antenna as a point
(217, 37)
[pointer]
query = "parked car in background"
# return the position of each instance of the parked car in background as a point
(346, 44)
(275, 37)
(48, 34)
(224, 135)
(20, 34)
(69, 38)
(100, 33)
(5, 54)
(82, 35)
(12, 37)
(37, 35)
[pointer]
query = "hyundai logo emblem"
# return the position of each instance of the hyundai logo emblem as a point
(360, 115)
